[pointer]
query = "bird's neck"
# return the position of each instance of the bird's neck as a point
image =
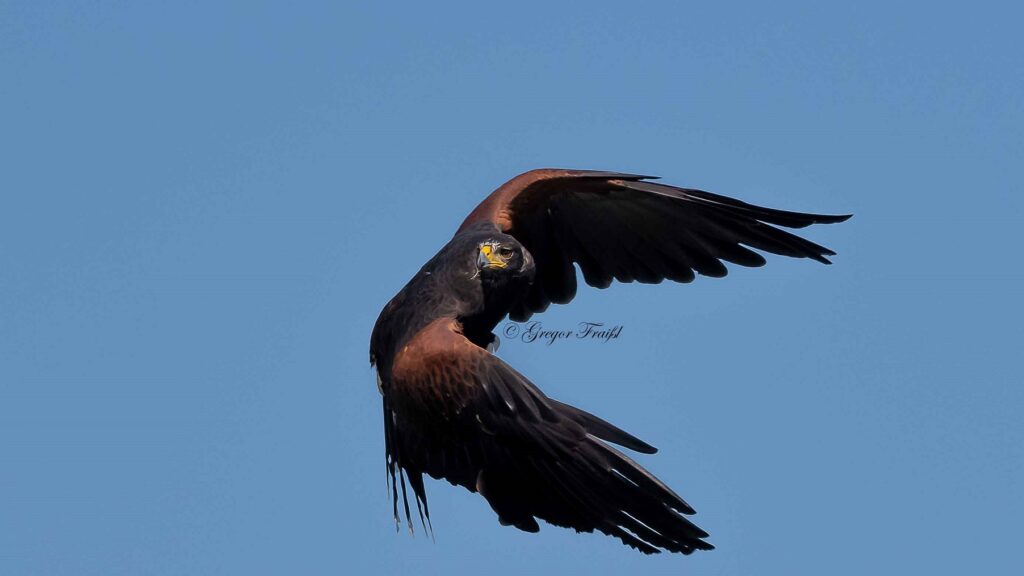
(434, 293)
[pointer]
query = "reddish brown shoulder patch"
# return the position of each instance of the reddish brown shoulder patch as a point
(495, 208)
(435, 371)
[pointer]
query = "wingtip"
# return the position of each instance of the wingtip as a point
(834, 219)
(644, 448)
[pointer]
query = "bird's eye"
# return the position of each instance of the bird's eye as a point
(505, 252)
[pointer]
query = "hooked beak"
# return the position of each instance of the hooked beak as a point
(488, 259)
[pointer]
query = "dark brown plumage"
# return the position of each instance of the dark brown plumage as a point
(455, 411)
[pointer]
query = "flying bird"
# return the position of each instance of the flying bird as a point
(455, 411)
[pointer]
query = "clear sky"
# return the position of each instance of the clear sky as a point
(203, 208)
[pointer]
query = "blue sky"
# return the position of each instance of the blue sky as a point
(205, 207)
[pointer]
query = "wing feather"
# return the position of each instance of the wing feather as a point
(455, 411)
(623, 227)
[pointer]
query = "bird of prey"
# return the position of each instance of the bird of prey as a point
(454, 410)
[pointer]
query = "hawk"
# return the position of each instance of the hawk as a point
(455, 411)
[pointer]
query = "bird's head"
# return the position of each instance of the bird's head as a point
(504, 256)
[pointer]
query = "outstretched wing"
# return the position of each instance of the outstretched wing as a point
(455, 411)
(619, 226)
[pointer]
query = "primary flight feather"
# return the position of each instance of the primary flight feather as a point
(454, 410)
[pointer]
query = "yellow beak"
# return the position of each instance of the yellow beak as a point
(489, 259)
